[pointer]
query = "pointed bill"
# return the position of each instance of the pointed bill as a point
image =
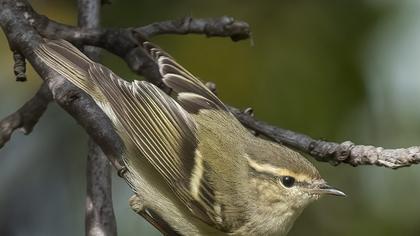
(325, 189)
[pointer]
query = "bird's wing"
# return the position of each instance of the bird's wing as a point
(191, 93)
(160, 128)
(194, 97)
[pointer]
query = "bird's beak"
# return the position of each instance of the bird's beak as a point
(324, 189)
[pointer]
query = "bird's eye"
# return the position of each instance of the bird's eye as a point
(288, 181)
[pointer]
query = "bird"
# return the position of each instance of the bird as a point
(187, 158)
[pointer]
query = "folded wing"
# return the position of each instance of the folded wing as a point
(160, 127)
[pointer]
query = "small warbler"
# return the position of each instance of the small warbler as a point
(187, 157)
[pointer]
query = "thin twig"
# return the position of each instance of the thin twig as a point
(26, 117)
(123, 42)
(334, 153)
(100, 218)
(224, 26)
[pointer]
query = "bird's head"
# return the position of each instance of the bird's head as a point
(284, 178)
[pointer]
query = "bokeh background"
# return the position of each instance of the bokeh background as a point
(337, 70)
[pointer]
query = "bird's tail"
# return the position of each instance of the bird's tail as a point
(69, 62)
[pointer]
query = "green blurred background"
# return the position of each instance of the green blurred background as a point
(335, 70)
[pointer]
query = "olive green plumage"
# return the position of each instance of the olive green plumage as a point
(188, 158)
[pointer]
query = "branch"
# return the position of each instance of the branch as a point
(100, 218)
(27, 116)
(334, 153)
(223, 27)
(124, 43)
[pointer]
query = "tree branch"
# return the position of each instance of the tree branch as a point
(100, 217)
(334, 153)
(124, 43)
(224, 26)
(26, 117)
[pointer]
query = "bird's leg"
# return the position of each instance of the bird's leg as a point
(148, 214)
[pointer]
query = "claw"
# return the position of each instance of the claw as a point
(151, 216)
(121, 172)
